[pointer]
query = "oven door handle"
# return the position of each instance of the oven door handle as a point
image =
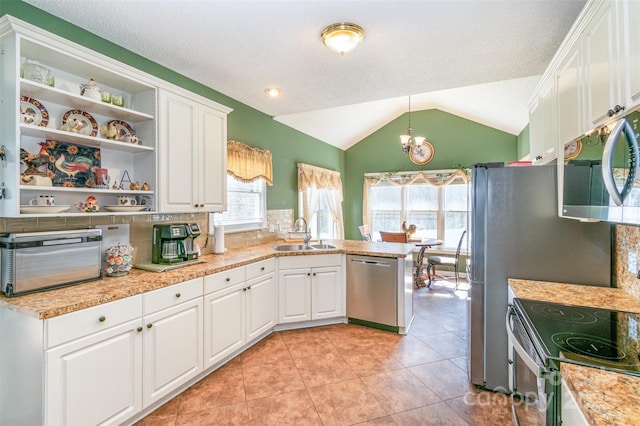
(538, 370)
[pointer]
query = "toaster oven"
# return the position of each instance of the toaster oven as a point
(36, 261)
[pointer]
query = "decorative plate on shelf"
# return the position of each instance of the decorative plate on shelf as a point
(125, 208)
(123, 128)
(78, 121)
(421, 154)
(43, 209)
(33, 112)
(72, 165)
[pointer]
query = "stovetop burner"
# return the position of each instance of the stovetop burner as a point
(564, 313)
(588, 336)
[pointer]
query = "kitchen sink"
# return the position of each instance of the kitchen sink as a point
(323, 246)
(292, 247)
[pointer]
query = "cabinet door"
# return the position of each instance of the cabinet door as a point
(224, 323)
(630, 32)
(177, 153)
(327, 295)
(601, 68)
(172, 349)
(95, 379)
(213, 160)
(542, 127)
(569, 97)
(294, 295)
(261, 305)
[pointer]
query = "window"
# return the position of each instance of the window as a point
(439, 210)
(246, 205)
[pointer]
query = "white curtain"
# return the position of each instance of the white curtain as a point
(313, 182)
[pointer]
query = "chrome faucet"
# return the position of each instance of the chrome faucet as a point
(307, 234)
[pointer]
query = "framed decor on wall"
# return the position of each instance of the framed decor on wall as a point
(421, 154)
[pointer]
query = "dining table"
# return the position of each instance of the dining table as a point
(423, 244)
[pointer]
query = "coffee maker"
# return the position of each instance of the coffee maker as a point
(174, 243)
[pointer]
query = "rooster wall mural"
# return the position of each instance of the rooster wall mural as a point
(71, 165)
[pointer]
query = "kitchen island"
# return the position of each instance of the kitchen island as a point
(605, 397)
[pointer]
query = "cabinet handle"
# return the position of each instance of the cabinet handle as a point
(244, 289)
(539, 157)
(102, 319)
(262, 269)
(249, 288)
(178, 294)
(228, 279)
(308, 274)
(314, 274)
(616, 109)
(149, 325)
(139, 329)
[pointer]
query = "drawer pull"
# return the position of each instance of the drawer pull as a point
(228, 279)
(102, 319)
(178, 295)
(262, 269)
(149, 325)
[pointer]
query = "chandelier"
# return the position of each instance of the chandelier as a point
(342, 37)
(408, 140)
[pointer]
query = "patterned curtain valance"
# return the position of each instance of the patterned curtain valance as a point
(439, 178)
(309, 176)
(248, 163)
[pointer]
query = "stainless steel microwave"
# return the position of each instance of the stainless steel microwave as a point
(599, 175)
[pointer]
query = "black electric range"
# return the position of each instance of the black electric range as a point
(592, 337)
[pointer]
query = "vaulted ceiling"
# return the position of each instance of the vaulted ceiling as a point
(479, 59)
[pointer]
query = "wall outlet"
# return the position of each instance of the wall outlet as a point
(632, 262)
(633, 328)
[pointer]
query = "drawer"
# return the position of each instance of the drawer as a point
(215, 282)
(163, 298)
(74, 325)
(310, 261)
(260, 268)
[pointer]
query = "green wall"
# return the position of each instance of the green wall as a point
(456, 141)
(245, 124)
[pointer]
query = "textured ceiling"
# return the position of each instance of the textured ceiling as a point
(421, 48)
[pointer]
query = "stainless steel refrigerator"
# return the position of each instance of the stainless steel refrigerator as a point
(516, 233)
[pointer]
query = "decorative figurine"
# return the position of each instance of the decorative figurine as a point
(145, 187)
(109, 130)
(89, 206)
(73, 125)
(134, 186)
(91, 90)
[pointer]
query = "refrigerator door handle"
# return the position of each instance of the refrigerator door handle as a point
(607, 161)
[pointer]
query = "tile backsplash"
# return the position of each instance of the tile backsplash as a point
(141, 226)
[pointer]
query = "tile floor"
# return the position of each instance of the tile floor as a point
(347, 374)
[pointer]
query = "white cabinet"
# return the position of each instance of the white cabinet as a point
(629, 34)
(33, 111)
(239, 306)
(310, 288)
(602, 70)
(192, 154)
(542, 126)
(173, 338)
(569, 96)
(95, 378)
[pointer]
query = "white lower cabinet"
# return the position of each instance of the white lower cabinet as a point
(96, 379)
(239, 305)
(173, 341)
(310, 288)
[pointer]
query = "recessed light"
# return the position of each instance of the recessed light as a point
(273, 91)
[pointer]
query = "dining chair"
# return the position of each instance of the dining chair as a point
(432, 261)
(393, 237)
(364, 232)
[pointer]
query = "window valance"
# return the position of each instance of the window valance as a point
(309, 176)
(248, 164)
(435, 178)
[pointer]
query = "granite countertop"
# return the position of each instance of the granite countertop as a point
(51, 303)
(606, 397)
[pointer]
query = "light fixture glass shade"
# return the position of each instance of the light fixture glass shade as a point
(342, 37)
(405, 139)
(419, 140)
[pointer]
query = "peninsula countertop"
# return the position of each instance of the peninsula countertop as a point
(51, 303)
(606, 397)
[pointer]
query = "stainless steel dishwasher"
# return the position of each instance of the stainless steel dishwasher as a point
(372, 291)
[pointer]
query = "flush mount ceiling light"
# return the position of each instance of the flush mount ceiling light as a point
(342, 37)
(273, 91)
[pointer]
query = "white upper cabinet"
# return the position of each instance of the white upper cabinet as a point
(51, 133)
(629, 33)
(569, 96)
(192, 154)
(542, 129)
(602, 71)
